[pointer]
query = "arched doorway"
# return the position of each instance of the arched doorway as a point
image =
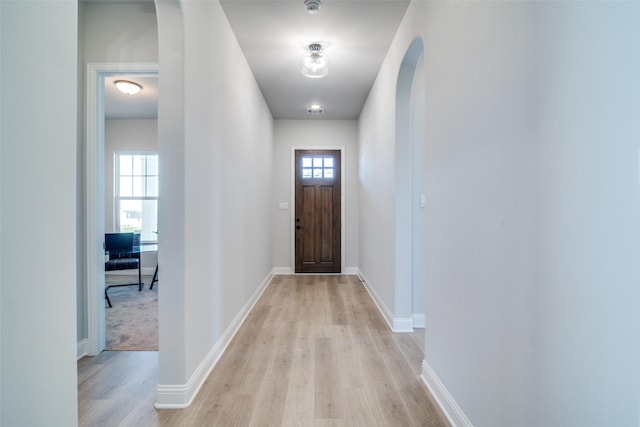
(410, 193)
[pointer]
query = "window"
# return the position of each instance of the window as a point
(317, 167)
(136, 189)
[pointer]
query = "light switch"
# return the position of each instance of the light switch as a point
(423, 201)
(284, 206)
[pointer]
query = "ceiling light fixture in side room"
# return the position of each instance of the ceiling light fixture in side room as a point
(315, 109)
(127, 87)
(312, 6)
(313, 63)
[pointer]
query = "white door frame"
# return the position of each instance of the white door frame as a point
(94, 191)
(342, 202)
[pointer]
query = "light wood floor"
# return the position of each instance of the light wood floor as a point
(314, 351)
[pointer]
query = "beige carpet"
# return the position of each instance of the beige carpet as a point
(132, 322)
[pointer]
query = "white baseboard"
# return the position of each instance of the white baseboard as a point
(451, 410)
(289, 270)
(402, 324)
(419, 321)
(180, 396)
(396, 324)
(82, 348)
(386, 314)
(282, 270)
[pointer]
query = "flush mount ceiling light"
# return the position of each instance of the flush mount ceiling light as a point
(312, 6)
(313, 63)
(315, 109)
(127, 87)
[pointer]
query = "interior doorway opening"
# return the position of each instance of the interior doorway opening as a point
(97, 75)
(410, 192)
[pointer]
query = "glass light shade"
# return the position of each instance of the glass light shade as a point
(312, 6)
(314, 65)
(127, 87)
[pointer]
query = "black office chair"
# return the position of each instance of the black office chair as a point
(119, 246)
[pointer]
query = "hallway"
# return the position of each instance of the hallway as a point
(313, 351)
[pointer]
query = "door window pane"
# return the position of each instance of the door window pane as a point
(318, 167)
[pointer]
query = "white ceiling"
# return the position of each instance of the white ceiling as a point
(143, 105)
(273, 36)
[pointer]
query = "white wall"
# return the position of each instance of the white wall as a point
(38, 145)
(216, 150)
(127, 135)
(120, 32)
(588, 347)
(313, 133)
(481, 118)
(376, 172)
(532, 206)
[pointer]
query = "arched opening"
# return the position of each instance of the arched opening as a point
(410, 199)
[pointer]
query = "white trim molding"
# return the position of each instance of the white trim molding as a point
(402, 324)
(179, 396)
(396, 324)
(443, 398)
(386, 313)
(419, 320)
(82, 348)
(289, 270)
(282, 270)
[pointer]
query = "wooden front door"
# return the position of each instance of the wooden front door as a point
(317, 211)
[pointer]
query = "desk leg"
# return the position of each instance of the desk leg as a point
(106, 295)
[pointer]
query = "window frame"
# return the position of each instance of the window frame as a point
(116, 188)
